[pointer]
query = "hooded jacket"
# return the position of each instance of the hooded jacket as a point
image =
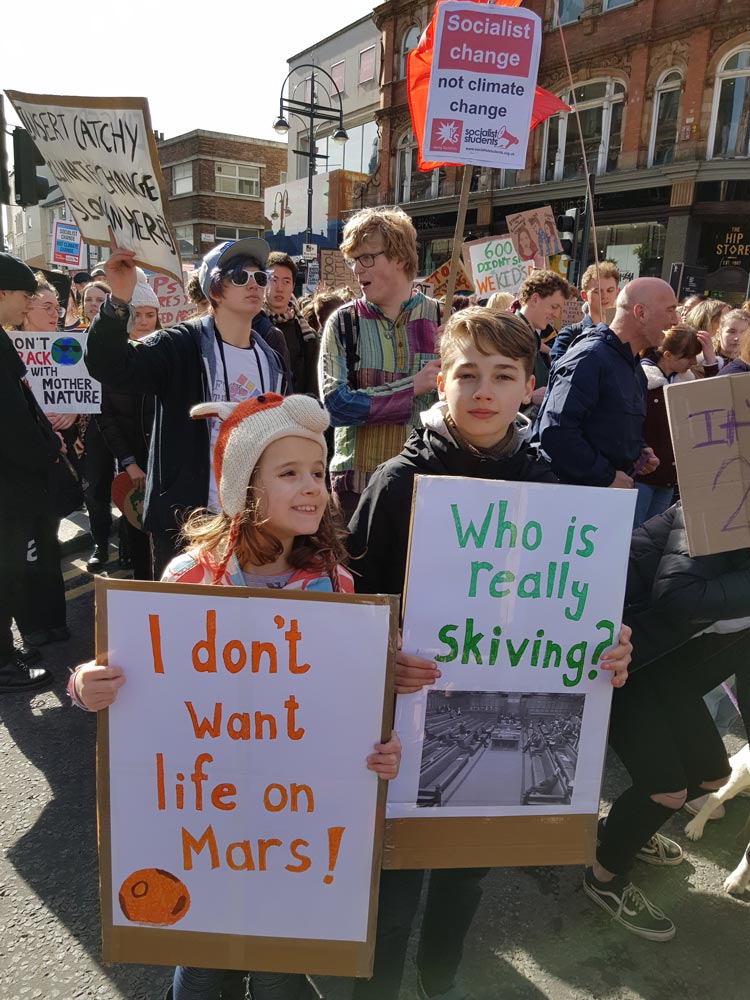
(379, 529)
(591, 421)
(178, 366)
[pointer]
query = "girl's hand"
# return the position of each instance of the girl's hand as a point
(617, 659)
(62, 421)
(709, 354)
(119, 269)
(96, 686)
(412, 672)
(386, 760)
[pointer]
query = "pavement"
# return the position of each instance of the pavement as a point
(536, 936)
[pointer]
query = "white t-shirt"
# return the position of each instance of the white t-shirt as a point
(248, 375)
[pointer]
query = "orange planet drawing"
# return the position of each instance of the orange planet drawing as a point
(154, 896)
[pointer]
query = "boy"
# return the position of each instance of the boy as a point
(599, 294)
(486, 363)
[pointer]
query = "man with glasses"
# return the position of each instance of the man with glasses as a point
(377, 369)
(216, 357)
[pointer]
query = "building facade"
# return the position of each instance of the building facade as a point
(215, 186)
(663, 91)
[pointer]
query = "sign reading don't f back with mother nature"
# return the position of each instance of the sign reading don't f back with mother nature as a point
(482, 84)
(102, 153)
(503, 756)
(239, 825)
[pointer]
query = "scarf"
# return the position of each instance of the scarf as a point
(292, 312)
(507, 446)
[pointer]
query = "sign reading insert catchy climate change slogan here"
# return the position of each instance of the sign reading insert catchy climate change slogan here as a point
(482, 85)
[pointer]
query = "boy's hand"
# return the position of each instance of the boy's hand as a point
(426, 378)
(386, 760)
(97, 686)
(617, 659)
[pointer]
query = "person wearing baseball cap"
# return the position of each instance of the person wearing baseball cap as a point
(27, 456)
(215, 358)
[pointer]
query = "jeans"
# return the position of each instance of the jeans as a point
(651, 501)
(205, 984)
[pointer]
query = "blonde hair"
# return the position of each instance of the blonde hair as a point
(735, 316)
(490, 333)
(394, 227)
(500, 301)
(706, 316)
(606, 270)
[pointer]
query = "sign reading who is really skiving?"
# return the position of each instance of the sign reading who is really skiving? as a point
(482, 85)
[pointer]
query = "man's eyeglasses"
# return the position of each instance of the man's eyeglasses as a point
(241, 278)
(364, 259)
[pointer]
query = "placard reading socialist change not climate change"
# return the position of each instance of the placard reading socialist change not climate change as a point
(482, 85)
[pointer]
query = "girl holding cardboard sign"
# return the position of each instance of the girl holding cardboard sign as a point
(275, 529)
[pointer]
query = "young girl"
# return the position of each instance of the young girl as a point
(670, 362)
(734, 346)
(275, 528)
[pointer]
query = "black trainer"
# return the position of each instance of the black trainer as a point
(98, 559)
(26, 654)
(15, 675)
(628, 906)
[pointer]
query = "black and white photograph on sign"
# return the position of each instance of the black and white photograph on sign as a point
(499, 748)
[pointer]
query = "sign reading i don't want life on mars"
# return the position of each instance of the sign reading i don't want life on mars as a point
(503, 756)
(482, 85)
(239, 825)
(102, 153)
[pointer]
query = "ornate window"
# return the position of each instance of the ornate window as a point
(409, 42)
(413, 184)
(666, 115)
(600, 106)
(570, 11)
(730, 120)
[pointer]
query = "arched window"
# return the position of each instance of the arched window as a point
(730, 120)
(600, 106)
(570, 11)
(666, 115)
(413, 184)
(409, 42)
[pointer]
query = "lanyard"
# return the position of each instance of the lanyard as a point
(258, 364)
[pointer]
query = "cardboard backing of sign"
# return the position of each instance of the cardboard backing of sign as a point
(439, 279)
(335, 274)
(158, 946)
(709, 420)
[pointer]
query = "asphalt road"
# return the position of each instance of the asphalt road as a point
(536, 935)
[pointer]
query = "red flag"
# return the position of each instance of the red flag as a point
(418, 66)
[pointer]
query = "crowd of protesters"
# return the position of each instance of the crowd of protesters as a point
(409, 386)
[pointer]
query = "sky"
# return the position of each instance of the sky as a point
(215, 66)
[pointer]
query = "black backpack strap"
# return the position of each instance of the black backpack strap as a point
(349, 330)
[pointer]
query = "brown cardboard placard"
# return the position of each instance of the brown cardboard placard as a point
(108, 169)
(534, 234)
(709, 420)
(159, 945)
(439, 279)
(335, 273)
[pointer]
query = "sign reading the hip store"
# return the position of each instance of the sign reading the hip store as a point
(731, 245)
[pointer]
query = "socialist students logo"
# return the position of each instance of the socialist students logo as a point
(446, 134)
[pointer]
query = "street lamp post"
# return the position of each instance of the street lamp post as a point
(311, 114)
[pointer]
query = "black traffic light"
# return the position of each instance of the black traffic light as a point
(567, 228)
(30, 188)
(4, 178)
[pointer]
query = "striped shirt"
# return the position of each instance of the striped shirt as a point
(373, 407)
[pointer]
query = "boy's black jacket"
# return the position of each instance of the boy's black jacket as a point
(380, 525)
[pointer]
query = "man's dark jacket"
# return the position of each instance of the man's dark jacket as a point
(671, 596)
(591, 421)
(380, 525)
(126, 422)
(177, 367)
(29, 447)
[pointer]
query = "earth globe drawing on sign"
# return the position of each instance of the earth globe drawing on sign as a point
(66, 351)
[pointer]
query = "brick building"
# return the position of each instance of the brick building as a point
(663, 87)
(215, 184)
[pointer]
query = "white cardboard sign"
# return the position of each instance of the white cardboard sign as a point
(102, 153)
(531, 580)
(482, 84)
(237, 758)
(56, 373)
(496, 266)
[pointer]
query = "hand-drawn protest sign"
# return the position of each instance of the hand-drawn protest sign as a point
(102, 153)
(482, 84)
(495, 265)
(174, 305)
(335, 274)
(503, 757)
(534, 234)
(56, 372)
(438, 280)
(709, 420)
(66, 244)
(239, 826)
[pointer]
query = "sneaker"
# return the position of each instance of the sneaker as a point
(98, 559)
(694, 806)
(27, 654)
(627, 905)
(15, 675)
(660, 850)
(454, 992)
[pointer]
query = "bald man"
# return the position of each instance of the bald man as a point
(591, 421)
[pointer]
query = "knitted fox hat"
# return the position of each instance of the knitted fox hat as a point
(247, 429)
